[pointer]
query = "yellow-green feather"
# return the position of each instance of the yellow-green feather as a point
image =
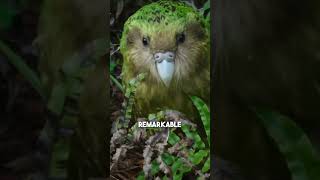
(168, 16)
(159, 14)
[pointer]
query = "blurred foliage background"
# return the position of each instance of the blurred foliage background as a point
(30, 127)
(22, 110)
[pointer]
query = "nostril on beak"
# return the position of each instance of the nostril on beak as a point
(158, 56)
(170, 55)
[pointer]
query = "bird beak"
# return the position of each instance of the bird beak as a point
(165, 66)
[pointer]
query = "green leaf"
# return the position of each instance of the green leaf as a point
(177, 176)
(176, 165)
(57, 99)
(197, 157)
(117, 83)
(204, 114)
(173, 138)
(198, 144)
(208, 18)
(59, 158)
(22, 67)
(160, 115)
(206, 166)
(168, 158)
(154, 167)
(302, 159)
(140, 176)
(113, 65)
(132, 82)
(180, 166)
(141, 76)
(151, 117)
(206, 6)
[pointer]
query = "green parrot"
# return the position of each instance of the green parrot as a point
(169, 42)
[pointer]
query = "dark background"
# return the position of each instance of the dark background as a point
(22, 113)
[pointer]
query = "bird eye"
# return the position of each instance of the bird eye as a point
(181, 38)
(145, 41)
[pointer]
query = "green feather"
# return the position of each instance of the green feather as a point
(159, 15)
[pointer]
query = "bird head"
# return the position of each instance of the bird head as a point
(166, 39)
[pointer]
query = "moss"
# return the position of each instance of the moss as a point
(161, 14)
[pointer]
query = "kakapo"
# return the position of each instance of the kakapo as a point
(169, 42)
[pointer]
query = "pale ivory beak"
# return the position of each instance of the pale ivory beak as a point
(165, 66)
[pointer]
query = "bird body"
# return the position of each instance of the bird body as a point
(169, 42)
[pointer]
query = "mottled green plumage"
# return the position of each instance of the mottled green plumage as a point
(161, 23)
(162, 13)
